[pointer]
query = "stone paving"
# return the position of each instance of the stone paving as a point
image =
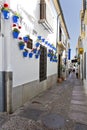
(62, 107)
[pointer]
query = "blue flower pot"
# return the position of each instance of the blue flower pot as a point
(46, 42)
(26, 39)
(36, 56)
(51, 59)
(15, 19)
(56, 60)
(43, 40)
(35, 50)
(49, 55)
(30, 55)
(37, 44)
(39, 37)
(15, 34)
(21, 47)
(6, 14)
(25, 54)
(55, 57)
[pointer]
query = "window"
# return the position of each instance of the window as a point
(43, 63)
(43, 18)
(42, 9)
(29, 44)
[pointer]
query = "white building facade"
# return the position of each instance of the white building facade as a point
(28, 71)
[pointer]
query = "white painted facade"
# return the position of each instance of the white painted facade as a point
(25, 71)
(84, 41)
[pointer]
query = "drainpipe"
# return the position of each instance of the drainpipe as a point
(7, 63)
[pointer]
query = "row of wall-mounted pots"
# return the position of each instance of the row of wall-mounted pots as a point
(6, 13)
(25, 54)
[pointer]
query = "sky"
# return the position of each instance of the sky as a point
(71, 11)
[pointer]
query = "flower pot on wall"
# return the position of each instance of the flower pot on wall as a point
(51, 59)
(26, 39)
(37, 44)
(15, 34)
(36, 56)
(25, 53)
(34, 50)
(21, 47)
(43, 40)
(15, 19)
(6, 14)
(39, 37)
(49, 55)
(30, 55)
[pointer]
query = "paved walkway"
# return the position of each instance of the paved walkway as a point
(62, 107)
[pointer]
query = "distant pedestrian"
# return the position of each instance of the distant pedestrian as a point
(76, 71)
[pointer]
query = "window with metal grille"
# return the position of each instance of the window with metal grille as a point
(43, 63)
(29, 44)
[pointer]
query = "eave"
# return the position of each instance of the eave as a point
(61, 17)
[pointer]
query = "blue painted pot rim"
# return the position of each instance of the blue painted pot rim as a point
(15, 34)
(6, 14)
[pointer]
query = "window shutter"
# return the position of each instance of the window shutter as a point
(29, 44)
(42, 9)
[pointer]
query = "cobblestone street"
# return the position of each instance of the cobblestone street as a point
(62, 107)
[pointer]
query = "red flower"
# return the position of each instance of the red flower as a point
(14, 25)
(5, 5)
(19, 27)
(20, 38)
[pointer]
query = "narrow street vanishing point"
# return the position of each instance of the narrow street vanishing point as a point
(62, 107)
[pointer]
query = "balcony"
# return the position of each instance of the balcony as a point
(46, 25)
(43, 17)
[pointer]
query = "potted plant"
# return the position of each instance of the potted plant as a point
(30, 55)
(46, 42)
(43, 40)
(21, 45)
(6, 11)
(26, 38)
(34, 50)
(15, 33)
(39, 37)
(37, 44)
(25, 53)
(36, 56)
(15, 17)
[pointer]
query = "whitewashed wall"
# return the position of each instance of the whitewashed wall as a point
(85, 50)
(25, 69)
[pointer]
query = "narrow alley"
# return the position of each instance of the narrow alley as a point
(62, 107)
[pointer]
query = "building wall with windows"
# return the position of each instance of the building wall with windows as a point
(82, 48)
(30, 76)
(26, 77)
